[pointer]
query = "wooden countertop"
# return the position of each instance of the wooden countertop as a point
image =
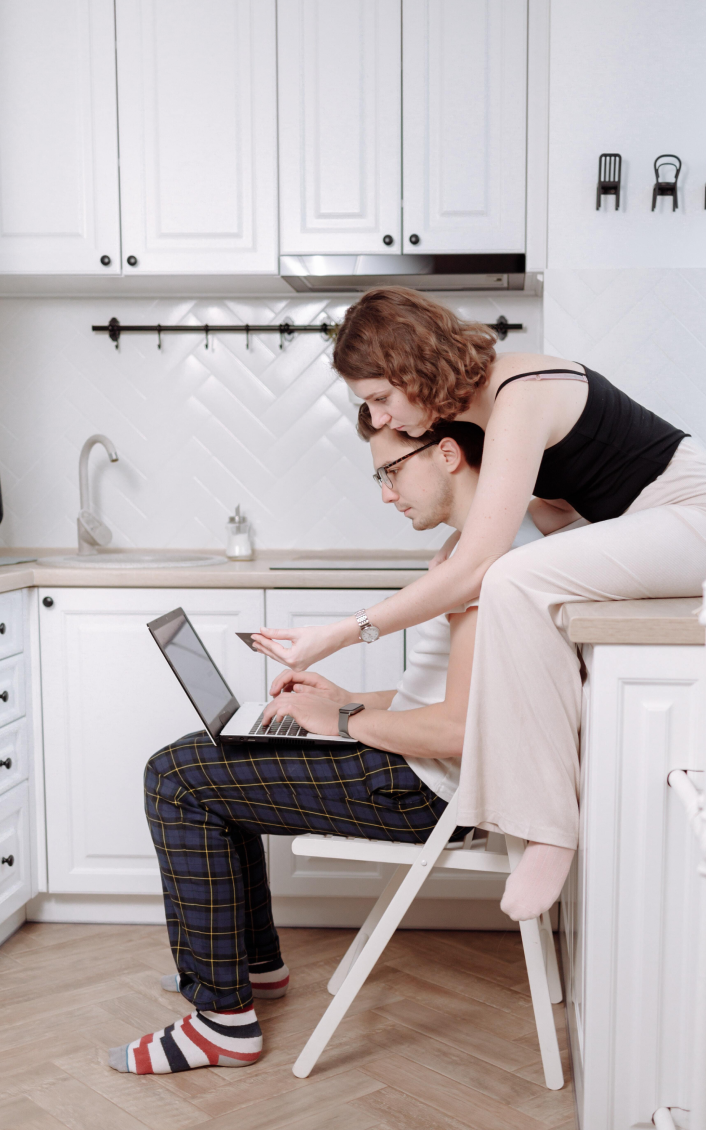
(664, 621)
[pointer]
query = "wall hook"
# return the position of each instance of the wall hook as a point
(159, 336)
(247, 336)
(114, 331)
(609, 171)
(666, 187)
(285, 331)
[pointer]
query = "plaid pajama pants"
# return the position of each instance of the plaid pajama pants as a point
(208, 808)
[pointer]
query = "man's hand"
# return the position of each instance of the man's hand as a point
(316, 714)
(309, 682)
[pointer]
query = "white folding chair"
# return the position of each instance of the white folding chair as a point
(415, 863)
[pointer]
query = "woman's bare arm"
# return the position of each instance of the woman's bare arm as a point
(516, 437)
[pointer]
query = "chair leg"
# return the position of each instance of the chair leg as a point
(553, 979)
(539, 984)
(356, 947)
(390, 919)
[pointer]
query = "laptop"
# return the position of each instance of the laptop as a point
(223, 716)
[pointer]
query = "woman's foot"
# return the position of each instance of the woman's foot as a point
(203, 1039)
(268, 979)
(536, 882)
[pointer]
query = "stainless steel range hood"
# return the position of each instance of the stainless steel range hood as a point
(307, 273)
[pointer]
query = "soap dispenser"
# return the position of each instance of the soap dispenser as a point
(239, 546)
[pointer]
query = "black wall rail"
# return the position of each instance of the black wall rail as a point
(286, 330)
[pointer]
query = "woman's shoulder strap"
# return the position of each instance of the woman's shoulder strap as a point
(537, 373)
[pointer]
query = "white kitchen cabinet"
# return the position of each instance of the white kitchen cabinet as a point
(59, 210)
(630, 909)
(198, 135)
(15, 851)
(343, 67)
(339, 126)
(109, 702)
(464, 125)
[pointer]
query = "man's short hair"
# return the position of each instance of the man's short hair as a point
(469, 437)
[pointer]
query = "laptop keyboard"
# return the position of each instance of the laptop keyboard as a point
(279, 727)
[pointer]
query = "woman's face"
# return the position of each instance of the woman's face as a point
(389, 405)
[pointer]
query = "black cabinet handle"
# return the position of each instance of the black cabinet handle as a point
(8, 859)
(5, 696)
(48, 602)
(7, 763)
(132, 260)
(388, 240)
(3, 629)
(106, 260)
(414, 238)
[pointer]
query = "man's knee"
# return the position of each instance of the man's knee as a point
(176, 758)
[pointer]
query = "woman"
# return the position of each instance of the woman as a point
(564, 434)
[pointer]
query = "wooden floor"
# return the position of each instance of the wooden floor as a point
(441, 1038)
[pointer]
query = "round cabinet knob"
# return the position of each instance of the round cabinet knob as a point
(8, 859)
(414, 238)
(3, 629)
(106, 260)
(7, 763)
(48, 602)
(5, 695)
(388, 240)
(132, 260)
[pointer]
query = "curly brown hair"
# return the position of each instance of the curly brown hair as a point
(418, 346)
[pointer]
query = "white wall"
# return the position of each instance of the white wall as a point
(197, 430)
(626, 76)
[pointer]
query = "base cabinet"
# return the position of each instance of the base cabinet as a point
(630, 910)
(109, 702)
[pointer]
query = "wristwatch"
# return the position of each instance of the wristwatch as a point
(346, 712)
(368, 633)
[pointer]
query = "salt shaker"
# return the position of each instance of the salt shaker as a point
(239, 545)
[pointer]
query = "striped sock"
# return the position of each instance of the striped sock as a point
(269, 980)
(203, 1039)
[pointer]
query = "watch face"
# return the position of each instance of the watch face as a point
(369, 634)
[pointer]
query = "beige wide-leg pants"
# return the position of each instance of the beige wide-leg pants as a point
(520, 766)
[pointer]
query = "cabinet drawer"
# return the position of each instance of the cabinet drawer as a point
(15, 872)
(13, 748)
(12, 689)
(10, 624)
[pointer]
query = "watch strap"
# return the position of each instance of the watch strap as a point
(344, 714)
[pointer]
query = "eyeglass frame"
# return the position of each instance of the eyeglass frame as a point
(381, 476)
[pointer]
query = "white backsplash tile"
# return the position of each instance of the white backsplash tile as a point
(197, 430)
(644, 329)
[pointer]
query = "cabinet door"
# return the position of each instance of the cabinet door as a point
(339, 126)
(198, 135)
(59, 207)
(109, 702)
(15, 865)
(464, 80)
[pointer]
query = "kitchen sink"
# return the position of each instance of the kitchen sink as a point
(130, 560)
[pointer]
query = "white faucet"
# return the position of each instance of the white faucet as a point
(91, 531)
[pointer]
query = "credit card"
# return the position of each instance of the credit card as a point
(246, 637)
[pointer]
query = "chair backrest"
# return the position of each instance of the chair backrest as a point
(667, 160)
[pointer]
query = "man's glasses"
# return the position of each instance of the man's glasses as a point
(381, 475)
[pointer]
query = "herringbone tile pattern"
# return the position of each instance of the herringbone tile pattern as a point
(197, 430)
(441, 1038)
(643, 329)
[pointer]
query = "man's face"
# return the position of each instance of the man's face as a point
(422, 490)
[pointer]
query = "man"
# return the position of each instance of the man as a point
(208, 807)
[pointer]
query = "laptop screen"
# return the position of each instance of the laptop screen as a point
(195, 669)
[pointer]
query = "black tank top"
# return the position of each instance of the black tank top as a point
(614, 450)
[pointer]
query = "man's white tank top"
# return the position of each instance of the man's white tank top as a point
(424, 683)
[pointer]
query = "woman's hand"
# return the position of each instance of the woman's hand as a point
(309, 682)
(445, 551)
(316, 714)
(309, 645)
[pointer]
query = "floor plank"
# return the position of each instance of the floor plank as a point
(441, 1037)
